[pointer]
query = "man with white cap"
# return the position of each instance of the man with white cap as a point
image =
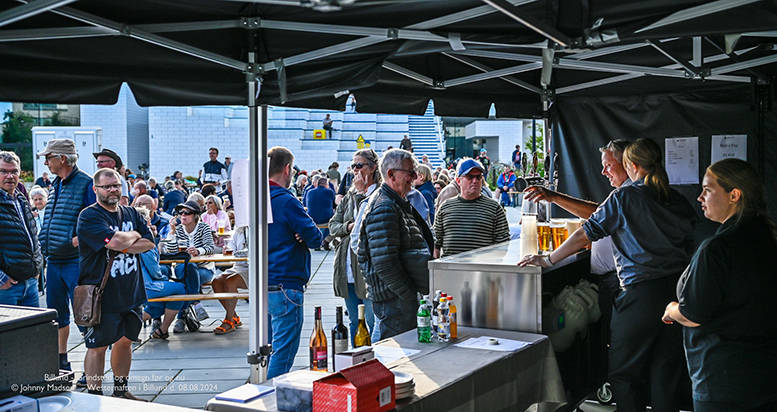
(228, 164)
(71, 191)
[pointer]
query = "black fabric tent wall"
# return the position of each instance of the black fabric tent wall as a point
(583, 124)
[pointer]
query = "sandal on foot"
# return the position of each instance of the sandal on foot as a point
(236, 321)
(159, 335)
(226, 327)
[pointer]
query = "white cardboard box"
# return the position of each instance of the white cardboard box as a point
(353, 357)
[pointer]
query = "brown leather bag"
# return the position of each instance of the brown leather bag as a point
(87, 299)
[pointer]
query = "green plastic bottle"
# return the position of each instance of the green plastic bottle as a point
(424, 323)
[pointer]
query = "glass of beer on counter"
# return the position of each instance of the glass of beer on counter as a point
(543, 233)
(182, 247)
(558, 232)
(222, 226)
(227, 251)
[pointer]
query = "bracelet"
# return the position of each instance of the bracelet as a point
(547, 260)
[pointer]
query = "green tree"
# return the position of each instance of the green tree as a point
(539, 134)
(17, 128)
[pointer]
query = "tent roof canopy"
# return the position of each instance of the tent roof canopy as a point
(394, 55)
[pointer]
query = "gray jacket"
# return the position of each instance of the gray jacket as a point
(338, 227)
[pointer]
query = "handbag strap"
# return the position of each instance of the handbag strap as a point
(111, 255)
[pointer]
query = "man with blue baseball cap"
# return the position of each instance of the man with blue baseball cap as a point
(470, 220)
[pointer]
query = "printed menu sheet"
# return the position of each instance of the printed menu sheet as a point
(729, 146)
(682, 160)
(241, 193)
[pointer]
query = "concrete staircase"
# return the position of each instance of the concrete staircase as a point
(426, 134)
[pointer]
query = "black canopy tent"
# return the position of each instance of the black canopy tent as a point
(597, 69)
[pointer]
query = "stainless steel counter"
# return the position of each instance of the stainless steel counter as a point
(491, 291)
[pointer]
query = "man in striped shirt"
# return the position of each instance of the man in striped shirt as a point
(470, 220)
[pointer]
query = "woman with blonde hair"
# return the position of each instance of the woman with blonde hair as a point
(424, 184)
(725, 297)
(348, 280)
(651, 226)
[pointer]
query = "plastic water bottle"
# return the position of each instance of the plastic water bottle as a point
(443, 321)
(433, 310)
(424, 323)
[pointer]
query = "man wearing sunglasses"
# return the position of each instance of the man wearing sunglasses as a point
(394, 245)
(470, 220)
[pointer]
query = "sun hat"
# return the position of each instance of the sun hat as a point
(110, 153)
(190, 205)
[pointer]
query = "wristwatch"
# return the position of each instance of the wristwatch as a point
(547, 261)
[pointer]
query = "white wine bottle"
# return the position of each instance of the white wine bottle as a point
(362, 337)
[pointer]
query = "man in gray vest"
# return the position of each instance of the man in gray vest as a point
(71, 191)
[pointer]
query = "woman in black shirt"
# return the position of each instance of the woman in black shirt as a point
(726, 297)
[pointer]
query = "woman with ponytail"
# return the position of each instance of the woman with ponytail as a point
(726, 296)
(651, 226)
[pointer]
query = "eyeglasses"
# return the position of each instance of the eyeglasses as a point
(10, 172)
(472, 177)
(357, 166)
(109, 187)
(49, 157)
(210, 202)
(101, 162)
(411, 172)
(186, 213)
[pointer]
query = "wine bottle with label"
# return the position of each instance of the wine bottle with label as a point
(339, 336)
(318, 351)
(362, 337)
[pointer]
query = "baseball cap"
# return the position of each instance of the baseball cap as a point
(59, 146)
(110, 153)
(227, 157)
(466, 166)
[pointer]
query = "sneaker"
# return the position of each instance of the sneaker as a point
(179, 326)
(202, 314)
(130, 396)
(81, 383)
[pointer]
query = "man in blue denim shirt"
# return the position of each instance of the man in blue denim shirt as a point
(291, 235)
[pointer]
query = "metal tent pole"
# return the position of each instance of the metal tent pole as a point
(259, 341)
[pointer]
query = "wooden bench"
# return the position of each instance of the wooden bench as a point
(201, 296)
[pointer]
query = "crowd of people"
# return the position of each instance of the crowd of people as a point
(386, 217)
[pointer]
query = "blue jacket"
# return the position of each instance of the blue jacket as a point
(501, 182)
(321, 203)
(430, 194)
(20, 256)
(288, 262)
(62, 209)
(172, 199)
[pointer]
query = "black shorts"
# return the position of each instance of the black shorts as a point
(114, 326)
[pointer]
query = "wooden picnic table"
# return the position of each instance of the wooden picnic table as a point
(215, 258)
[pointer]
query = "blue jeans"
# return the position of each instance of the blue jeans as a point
(157, 309)
(352, 303)
(286, 314)
(24, 293)
(61, 281)
(192, 279)
(393, 317)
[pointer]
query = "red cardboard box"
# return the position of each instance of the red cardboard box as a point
(366, 387)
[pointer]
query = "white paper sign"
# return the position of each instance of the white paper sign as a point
(682, 160)
(241, 185)
(728, 147)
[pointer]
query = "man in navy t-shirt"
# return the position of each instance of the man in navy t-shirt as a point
(103, 227)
